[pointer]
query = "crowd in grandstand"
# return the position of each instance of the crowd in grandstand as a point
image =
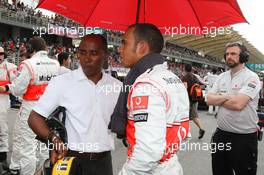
(169, 49)
(16, 48)
(24, 12)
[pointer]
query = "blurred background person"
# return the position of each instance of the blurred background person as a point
(65, 62)
(8, 73)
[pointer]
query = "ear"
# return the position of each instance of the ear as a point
(142, 48)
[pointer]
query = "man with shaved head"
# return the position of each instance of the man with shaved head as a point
(88, 110)
(7, 74)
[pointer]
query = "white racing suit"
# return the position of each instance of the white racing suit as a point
(34, 75)
(8, 72)
(158, 119)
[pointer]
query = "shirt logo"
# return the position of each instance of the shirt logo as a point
(236, 87)
(140, 102)
(251, 85)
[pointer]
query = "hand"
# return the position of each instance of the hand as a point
(59, 149)
(124, 141)
(2, 89)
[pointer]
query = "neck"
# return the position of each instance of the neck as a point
(95, 78)
(237, 68)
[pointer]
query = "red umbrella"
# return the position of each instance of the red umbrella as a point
(119, 14)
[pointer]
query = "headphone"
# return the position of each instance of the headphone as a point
(244, 54)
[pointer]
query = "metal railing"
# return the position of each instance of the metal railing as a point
(21, 20)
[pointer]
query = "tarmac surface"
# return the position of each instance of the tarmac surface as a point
(195, 157)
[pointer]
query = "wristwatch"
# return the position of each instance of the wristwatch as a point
(52, 136)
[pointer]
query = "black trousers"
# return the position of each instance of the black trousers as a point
(234, 153)
(85, 166)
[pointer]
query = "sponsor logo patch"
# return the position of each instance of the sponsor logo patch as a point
(140, 102)
(251, 85)
(173, 80)
(142, 117)
(46, 77)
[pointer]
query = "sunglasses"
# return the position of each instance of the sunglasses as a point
(2, 53)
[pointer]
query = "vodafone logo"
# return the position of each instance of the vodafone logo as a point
(140, 102)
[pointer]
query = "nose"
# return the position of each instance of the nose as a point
(227, 55)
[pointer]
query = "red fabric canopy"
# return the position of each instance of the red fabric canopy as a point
(119, 14)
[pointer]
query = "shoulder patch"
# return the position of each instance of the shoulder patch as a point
(140, 102)
(251, 85)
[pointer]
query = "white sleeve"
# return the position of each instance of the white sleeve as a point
(12, 71)
(50, 100)
(251, 87)
(19, 86)
(149, 113)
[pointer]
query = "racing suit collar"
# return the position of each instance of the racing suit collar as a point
(41, 53)
(148, 61)
(119, 116)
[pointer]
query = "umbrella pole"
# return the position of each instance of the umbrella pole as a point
(138, 10)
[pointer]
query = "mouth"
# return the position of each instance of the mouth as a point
(229, 61)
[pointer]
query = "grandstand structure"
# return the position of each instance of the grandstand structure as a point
(215, 46)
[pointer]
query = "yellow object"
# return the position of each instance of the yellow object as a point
(63, 166)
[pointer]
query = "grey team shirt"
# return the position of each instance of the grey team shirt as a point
(244, 82)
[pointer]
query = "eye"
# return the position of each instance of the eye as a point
(83, 52)
(93, 53)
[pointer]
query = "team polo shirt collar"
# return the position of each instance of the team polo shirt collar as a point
(79, 75)
(237, 73)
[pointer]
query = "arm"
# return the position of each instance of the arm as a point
(13, 72)
(149, 133)
(2, 89)
(38, 125)
(248, 91)
(216, 99)
(19, 85)
(236, 102)
(48, 102)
